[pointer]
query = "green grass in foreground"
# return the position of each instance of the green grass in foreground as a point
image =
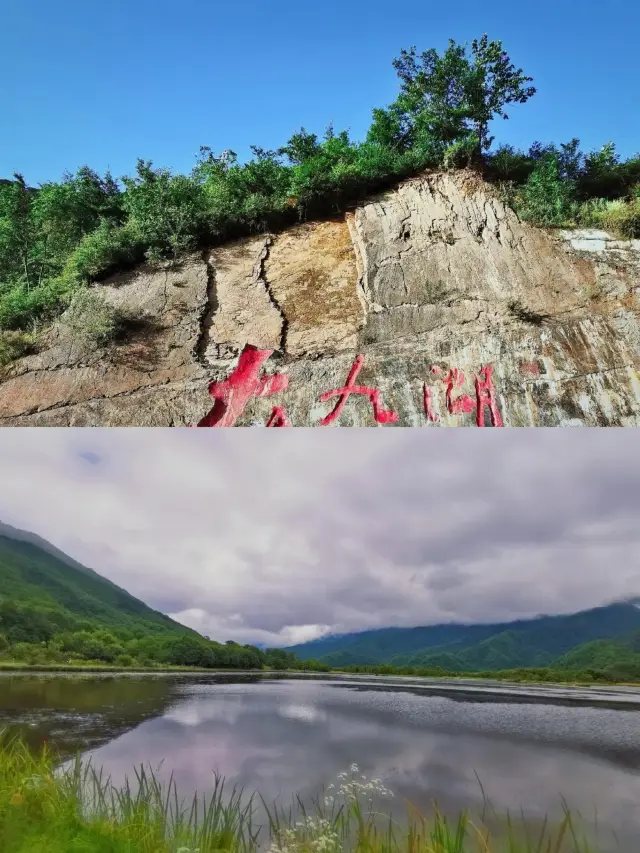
(74, 809)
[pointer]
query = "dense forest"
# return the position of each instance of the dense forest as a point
(62, 236)
(604, 661)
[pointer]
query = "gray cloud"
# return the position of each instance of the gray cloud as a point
(273, 536)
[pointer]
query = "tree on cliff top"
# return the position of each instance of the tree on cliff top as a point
(449, 98)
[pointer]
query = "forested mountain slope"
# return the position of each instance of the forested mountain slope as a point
(27, 536)
(54, 592)
(544, 641)
(53, 610)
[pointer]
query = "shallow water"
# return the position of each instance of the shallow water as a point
(286, 736)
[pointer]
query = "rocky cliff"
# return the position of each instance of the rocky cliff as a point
(429, 305)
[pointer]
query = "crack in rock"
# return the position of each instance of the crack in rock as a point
(259, 275)
(207, 311)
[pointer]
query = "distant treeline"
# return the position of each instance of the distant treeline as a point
(620, 672)
(36, 635)
(33, 635)
(57, 238)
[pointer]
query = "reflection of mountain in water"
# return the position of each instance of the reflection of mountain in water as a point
(82, 712)
(78, 712)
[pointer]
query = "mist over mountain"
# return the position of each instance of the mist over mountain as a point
(534, 642)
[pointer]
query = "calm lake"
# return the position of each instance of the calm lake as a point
(284, 736)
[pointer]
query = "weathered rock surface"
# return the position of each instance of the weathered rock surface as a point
(446, 309)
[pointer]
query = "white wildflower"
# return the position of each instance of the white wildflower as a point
(351, 788)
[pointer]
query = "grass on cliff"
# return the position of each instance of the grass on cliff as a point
(45, 808)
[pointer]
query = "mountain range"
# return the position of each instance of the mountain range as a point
(54, 609)
(544, 641)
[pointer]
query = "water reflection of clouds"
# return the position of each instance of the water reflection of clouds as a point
(302, 713)
(200, 710)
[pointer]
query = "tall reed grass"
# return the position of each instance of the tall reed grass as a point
(48, 807)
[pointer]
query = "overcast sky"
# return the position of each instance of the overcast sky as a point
(278, 536)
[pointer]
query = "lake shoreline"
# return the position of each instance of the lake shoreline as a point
(18, 669)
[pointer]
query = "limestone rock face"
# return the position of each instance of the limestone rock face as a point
(432, 302)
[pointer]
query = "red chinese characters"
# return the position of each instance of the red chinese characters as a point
(232, 395)
(244, 383)
(428, 404)
(278, 418)
(464, 404)
(382, 416)
(486, 396)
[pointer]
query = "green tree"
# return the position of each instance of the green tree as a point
(452, 97)
(18, 235)
(494, 83)
(167, 212)
(302, 146)
(280, 659)
(65, 212)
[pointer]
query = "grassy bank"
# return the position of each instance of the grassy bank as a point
(77, 810)
(584, 676)
(532, 677)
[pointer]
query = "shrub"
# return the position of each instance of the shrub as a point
(90, 320)
(14, 345)
(167, 213)
(21, 308)
(546, 198)
(109, 246)
(507, 165)
(604, 175)
(461, 153)
(619, 216)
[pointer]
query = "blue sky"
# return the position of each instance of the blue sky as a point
(104, 83)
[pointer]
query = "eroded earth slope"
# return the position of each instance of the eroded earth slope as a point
(432, 300)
